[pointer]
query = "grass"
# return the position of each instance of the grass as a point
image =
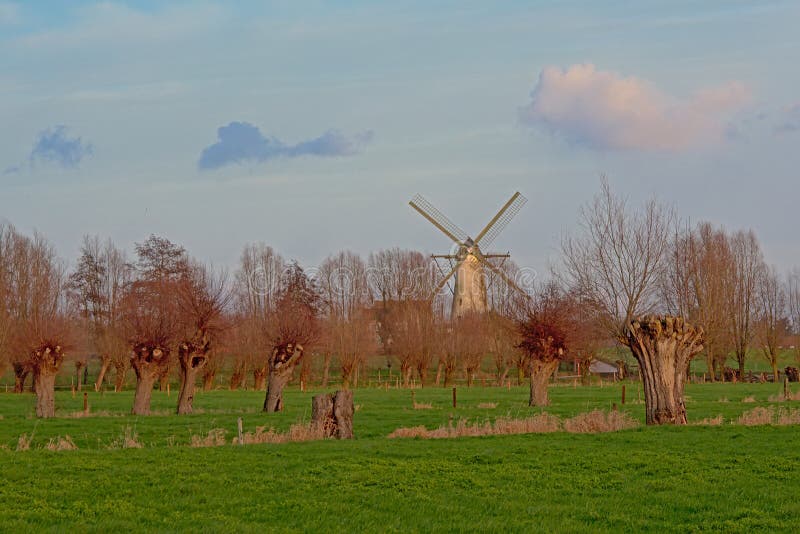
(723, 477)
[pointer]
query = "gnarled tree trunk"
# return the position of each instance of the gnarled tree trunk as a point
(148, 363)
(541, 371)
(46, 361)
(192, 359)
(105, 362)
(120, 369)
(664, 346)
(282, 362)
(21, 372)
(332, 414)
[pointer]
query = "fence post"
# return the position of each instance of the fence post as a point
(85, 402)
(623, 394)
(454, 398)
(241, 430)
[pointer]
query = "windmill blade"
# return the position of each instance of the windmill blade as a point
(438, 219)
(501, 220)
(444, 280)
(500, 273)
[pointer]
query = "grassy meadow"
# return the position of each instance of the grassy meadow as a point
(727, 477)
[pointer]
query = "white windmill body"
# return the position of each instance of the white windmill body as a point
(469, 264)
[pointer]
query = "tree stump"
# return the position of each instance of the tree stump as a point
(332, 414)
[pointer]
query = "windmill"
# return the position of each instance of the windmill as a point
(468, 262)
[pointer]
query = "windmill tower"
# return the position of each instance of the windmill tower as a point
(467, 261)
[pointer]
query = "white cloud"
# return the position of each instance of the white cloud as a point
(604, 110)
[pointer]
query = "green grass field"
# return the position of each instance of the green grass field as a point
(729, 477)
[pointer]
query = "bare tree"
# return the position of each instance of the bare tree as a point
(202, 299)
(698, 287)
(151, 313)
(346, 303)
(742, 304)
(97, 285)
(258, 283)
(615, 266)
(38, 311)
(771, 325)
(293, 327)
(793, 305)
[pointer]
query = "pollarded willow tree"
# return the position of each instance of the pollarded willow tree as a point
(615, 265)
(203, 297)
(293, 329)
(545, 337)
(150, 312)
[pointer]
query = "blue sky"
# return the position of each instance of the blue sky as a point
(309, 125)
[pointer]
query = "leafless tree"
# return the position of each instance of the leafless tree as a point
(699, 285)
(203, 297)
(615, 265)
(36, 312)
(748, 262)
(347, 311)
(293, 327)
(793, 305)
(257, 287)
(771, 324)
(150, 313)
(97, 285)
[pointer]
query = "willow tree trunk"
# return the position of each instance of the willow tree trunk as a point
(105, 362)
(192, 361)
(44, 384)
(664, 346)
(259, 379)
(208, 379)
(46, 361)
(144, 392)
(541, 371)
(120, 369)
(21, 372)
(148, 363)
(281, 366)
(332, 414)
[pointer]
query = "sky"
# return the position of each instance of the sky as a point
(309, 125)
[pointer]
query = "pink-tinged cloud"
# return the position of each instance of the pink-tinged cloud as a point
(604, 110)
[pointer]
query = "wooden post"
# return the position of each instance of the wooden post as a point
(623, 394)
(454, 398)
(786, 393)
(241, 430)
(167, 389)
(85, 402)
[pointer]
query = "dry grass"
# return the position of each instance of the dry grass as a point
(784, 398)
(487, 406)
(61, 444)
(749, 400)
(24, 442)
(215, 438)
(757, 416)
(128, 440)
(101, 413)
(596, 421)
(723, 400)
(297, 432)
(423, 406)
(710, 421)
